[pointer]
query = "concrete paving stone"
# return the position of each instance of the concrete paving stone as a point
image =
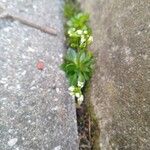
(36, 110)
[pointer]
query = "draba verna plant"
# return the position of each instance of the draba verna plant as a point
(78, 61)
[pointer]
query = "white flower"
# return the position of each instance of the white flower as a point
(77, 95)
(82, 39)
(71, 31)
(90, 39)
(79, 32)
(85, 32)
(80, 84)
(71, 88)
(80, 99)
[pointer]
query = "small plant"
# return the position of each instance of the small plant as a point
(78, 62)
(70, 9)
(78, 66)
(79, 39)
(78, 69)
(78, 20)
(79, 34)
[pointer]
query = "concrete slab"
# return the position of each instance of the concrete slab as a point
(36, 111)
(121, 81)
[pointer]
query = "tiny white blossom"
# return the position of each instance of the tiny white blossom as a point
(71, 88)
(80, 84)
(82, 39)
(80, 99)
(79, 32)
(77, 95)
(71, 31)
(85, 32)
(90, 39)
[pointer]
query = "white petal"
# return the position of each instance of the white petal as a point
(80, 84)
(77, 95)
(79, 32)
(80, 99)
(71, 88)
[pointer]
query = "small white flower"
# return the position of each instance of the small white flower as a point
(71, 88)
(79, 32)
(71, 31)
(77, 95)
(80, 84)
(85, 32)
(90, 39)
(80, 99)
(82, 39)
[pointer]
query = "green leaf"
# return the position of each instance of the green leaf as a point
(82, 57)
(71, 55)
(78, 66)
(70, 68)
(81, 78)
(73, 80)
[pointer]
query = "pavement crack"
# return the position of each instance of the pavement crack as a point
(45, 29)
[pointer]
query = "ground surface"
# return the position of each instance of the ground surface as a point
(36, 111)
(121, 82)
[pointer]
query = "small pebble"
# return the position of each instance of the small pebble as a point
(57, 148)
(30, 49)
(12, 142)
(57, 90)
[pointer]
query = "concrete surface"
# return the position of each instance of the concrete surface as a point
(120, 87)
(36, 111)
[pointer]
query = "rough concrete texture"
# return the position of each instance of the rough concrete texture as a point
(36, 111)
(120, 87)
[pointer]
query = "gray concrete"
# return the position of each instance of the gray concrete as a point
(120, 87)
(36, 111)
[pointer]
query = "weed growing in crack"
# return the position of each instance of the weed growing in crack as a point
(78, 62)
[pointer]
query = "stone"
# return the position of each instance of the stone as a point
(36, 110)
(57, 148)
(121, 80)
(12, 142)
